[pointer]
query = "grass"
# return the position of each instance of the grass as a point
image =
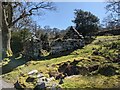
(103, 44)
(97, 81)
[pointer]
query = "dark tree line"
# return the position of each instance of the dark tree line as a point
(44, 35)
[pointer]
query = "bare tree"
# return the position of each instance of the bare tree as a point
(12, 12)
(23, 23)
(113, 6)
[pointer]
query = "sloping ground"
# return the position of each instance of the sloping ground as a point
(97, 65)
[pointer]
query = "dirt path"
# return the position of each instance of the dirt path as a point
(4, 84)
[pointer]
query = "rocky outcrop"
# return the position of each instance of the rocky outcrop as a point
(38, 79)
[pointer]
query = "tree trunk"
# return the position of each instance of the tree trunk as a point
(6, 32)
(0, 31)
(6, 37)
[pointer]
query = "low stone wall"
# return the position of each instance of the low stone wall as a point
(109, 32)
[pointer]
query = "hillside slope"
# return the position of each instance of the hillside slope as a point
(96, 65)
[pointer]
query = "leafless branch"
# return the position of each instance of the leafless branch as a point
(32, 10)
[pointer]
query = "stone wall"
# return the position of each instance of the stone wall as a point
(109, 32)
(60, 46)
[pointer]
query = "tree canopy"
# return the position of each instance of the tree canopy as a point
(85, 22)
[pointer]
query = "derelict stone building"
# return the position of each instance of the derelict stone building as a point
(71, 41)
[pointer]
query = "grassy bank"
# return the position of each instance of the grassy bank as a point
(103, 51)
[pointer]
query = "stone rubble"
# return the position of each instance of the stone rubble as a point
(42, 81)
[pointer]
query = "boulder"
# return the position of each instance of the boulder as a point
(40, 75)
(42, 79)
(33, 72)
(54, 86)
(50, 79)
(30, 79)
(40, 86)
(17, 85)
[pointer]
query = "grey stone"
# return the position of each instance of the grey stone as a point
(50, 79)
(40, 85)
(54, 87)
(30, 79)
(40, 75)
(60, 46)
(43, 79)
(33, 72)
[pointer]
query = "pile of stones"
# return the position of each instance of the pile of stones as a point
(42, 82)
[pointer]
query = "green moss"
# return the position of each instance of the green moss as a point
(9, 53)
(96, 81)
